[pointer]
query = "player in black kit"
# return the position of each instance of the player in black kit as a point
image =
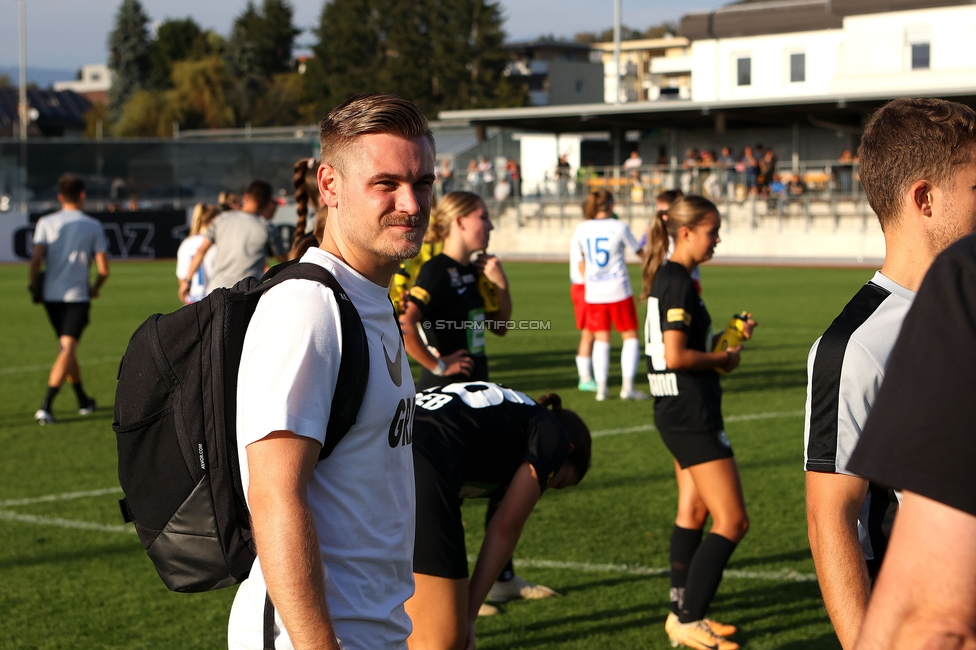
(475, 440)
(684, 381)
(455, 301)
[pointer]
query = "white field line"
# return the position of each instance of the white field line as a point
(732, 418)
(67, 496)
(57, 521)
(785, 575)
(47, 366)
(64, 523)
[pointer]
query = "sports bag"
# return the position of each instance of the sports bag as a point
(175, 420)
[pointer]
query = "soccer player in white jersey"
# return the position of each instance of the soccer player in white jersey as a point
(577, 292)
(601, 241)
(335, 538)
(918, 168)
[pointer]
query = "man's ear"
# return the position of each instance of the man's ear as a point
(328, 180)
(921, 197)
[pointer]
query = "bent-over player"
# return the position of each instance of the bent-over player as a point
(474, 440)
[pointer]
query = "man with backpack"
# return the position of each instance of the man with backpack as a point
(335, 537)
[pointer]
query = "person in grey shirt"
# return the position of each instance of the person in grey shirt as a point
(67, 242)
(244, 239)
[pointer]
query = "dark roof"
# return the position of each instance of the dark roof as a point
(57, 110)
(549, 49)
(756, 17)
(848, 113)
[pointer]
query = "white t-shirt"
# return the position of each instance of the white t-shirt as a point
(184, 255)
(72, 239)
(575, 257)
(362, 496)
(601, 242)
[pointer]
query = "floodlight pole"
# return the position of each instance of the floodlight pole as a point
(616, 49)
(24, 117)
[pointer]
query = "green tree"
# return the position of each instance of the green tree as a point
(199, 98)
(259, 47)
(129, 54)
(275, 38)
(261, 41)
(441, 54)
(5, 81)
(283, 103)
(176, 40)
(148, 113)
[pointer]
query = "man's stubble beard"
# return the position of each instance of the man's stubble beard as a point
(949, 228)
(358, 233)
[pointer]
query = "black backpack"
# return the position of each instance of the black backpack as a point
(175, 420)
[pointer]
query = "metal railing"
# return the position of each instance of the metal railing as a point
(812, 191)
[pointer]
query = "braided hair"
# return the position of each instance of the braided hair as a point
(305, 182)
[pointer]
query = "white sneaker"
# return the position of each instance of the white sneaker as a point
(633, 394)
(518, 589)
(601, 394)
(89, 408)
(487, 610)
(43, 417)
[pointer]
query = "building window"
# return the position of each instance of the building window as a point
(744, 71)
(920, 56)
(798, 67)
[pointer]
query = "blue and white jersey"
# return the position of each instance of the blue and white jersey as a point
(601, 242)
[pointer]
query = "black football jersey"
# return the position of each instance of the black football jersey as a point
(453, 310)
(488, 431)
(684, 401)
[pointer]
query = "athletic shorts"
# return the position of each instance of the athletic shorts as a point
(697, 448)
(622, 314)
(439, 548)
(68, 318)
(577, 292)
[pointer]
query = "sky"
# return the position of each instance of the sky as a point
(69, 33)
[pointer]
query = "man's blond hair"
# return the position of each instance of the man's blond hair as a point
(365, 114)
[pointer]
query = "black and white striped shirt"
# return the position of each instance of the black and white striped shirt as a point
(844, 373)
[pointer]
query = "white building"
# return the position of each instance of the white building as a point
(914, 51)
(95, 78)
(650, 69)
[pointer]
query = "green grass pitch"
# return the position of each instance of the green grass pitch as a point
(603, 545)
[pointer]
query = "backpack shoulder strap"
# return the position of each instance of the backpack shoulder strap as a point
(354, 364)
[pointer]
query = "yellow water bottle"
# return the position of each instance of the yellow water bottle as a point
(733, 335)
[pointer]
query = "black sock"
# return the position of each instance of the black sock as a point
(704, 574)
(80, 393)
(52, 391)
(684, 543)
(507, 573)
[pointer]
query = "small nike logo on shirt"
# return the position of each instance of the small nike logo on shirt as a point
(394, 366)
(462, 290)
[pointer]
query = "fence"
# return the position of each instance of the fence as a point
(165, 174)
(813, 190)
(156, 173)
